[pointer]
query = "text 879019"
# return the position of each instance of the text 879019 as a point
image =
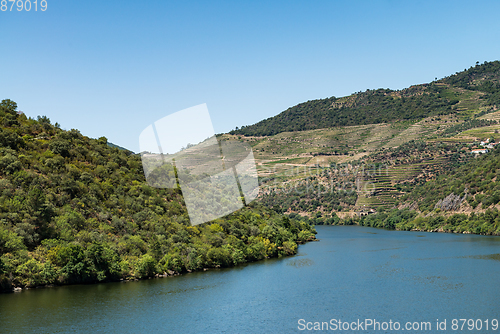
(23, 5)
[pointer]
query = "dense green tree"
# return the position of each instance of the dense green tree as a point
(8, 106)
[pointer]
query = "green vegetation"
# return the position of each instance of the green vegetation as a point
(470, 186)
(370, 107)
(120, 148)
(483, 78)
(476, 180)
(425, 161)
(78, 210)
(376, 181)
(75, 210)
(487, 222)
(466, 93)
(470, 124)
(313, 197)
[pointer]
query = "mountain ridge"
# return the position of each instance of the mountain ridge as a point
(437, 98)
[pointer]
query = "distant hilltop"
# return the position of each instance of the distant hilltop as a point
(120, 148)
(437, 98)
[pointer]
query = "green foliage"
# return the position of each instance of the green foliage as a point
(78, 210)
(60, 146)
(33, 273)
(388, 220)
(385, 105)
(370, 107)
(476, 176)
(469, 124)
(323, 192)
(8, 106)
(289, 248)
(487, 222)
(484, 78)
(146, 266)
(483, 223)
(9, 164)
(10, 242)
(10, 139)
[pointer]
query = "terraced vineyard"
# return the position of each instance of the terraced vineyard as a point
(380, 188)
(389, 146)
(325, 147)
(305, 147)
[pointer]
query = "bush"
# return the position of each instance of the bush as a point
(289, 248)
(146, 266)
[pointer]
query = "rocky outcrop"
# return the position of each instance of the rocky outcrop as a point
(450, 202)
(408, 205)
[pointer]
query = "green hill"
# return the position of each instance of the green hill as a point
(464, 199)
(75, 210)
(483, 78)
(475, 182)
(418, 134)
(471, 90)
(120, 148)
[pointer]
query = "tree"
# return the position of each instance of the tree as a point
(60, 146)
(8, 106)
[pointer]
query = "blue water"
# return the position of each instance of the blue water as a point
(352, 273)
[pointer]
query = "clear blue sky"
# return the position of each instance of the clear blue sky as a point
(111, 68)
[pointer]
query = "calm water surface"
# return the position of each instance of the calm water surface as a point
(352, 273)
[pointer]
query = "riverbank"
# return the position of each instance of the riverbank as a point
(486, 223)
(435, 275)
(288, 248)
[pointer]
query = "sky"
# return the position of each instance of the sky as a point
(112, 68)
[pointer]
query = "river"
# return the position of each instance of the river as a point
(353, 273)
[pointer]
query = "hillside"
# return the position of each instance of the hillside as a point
(465, 199)
(433, 185)
(75, 210)
(475, 183)
(367, 166)
(483, 78)
(344, 174)
(478, 85)
(375, 182)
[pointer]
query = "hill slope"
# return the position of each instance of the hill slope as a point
(343, 171)
(441, 97)
(465, 199)
(475, 182)
(75, 210)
